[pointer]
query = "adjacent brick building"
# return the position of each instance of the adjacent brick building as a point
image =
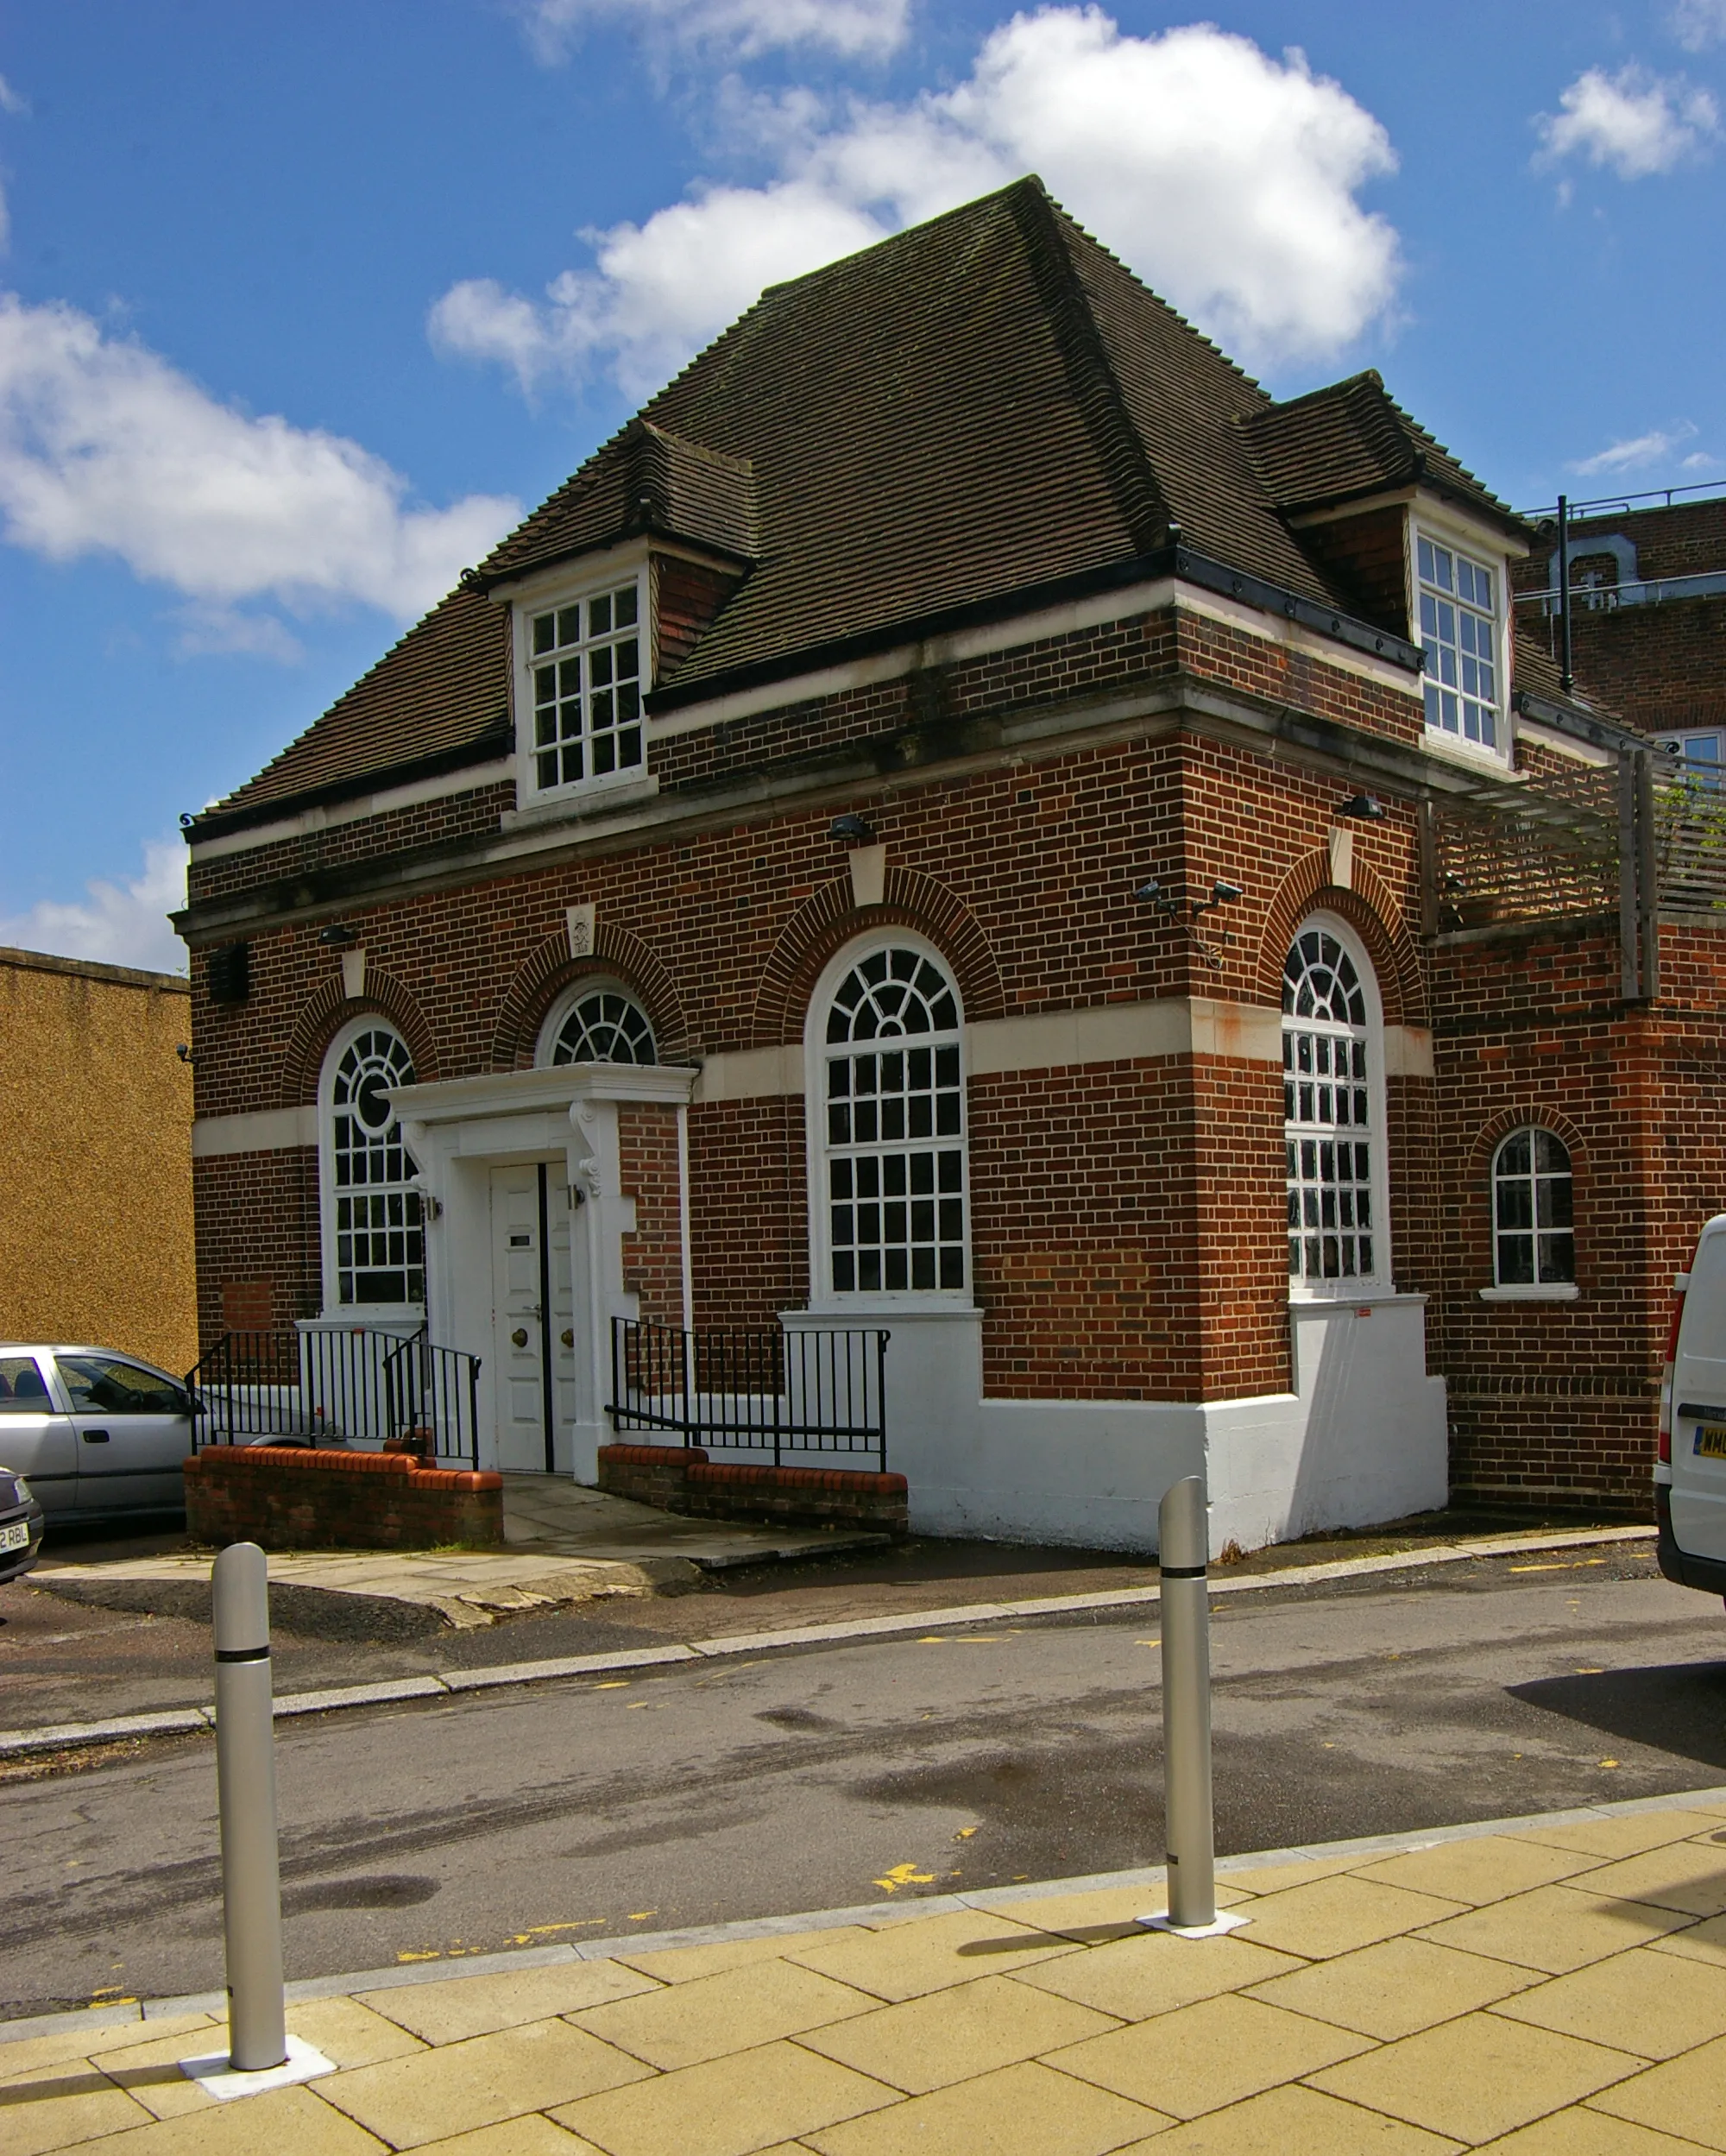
(967, 818)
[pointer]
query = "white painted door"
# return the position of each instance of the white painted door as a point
(533, 1317)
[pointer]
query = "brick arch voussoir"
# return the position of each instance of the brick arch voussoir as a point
(828, 919)
(1371, 909)
(548, 970)
(329, 1008)
(1534, 1114)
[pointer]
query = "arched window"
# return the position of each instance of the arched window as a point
(1533, 1239)
(892, 1144)
(1332, 1113)
(597, 1022)
(375, 1233)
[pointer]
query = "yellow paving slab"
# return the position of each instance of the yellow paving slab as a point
(408, 2101)
(534, 2136)
(1278, 1878)
(1337, 1916)
(1697, 1942)
(1202, 2057)
(955, 2034)
(1656, 2009)
(686, 1964)
(681, 2025)
(1476, 2077)
(1625, 1836)
(346, 2033)
(63, 2106)
(1296, 2122)
(1024, 2110)
(1684, 2096)
(150, 2074)
(477, 2006)
(1152, 1973)
(1486, 1868)
(1395, 1988)
(281, 2122)
(729, 2107)
(902, 1961)
(1556, 1928)
(1690, 1876)
(32, 2055)
(1107, 1912)
(1582, 2131)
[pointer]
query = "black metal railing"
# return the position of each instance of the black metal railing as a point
(752, 1389)
(337, 1386)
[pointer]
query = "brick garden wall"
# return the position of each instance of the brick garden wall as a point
(289, 1498)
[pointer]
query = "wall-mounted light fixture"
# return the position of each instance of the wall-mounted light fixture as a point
(338, 936)
(851, 830)
(1367, 806)
(184, 1054)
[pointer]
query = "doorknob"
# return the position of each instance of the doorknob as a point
(518, 1337)
(568, 1337)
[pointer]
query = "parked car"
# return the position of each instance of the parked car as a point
(93, 1433)
(20, 1527)
(1689, 1472)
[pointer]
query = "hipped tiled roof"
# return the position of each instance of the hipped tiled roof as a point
(1353, 439)
(986, 406)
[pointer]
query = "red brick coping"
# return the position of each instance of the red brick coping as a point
(684, 1479)
(294, 1497)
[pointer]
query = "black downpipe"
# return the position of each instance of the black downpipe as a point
(1566, 679)
(548, 1403)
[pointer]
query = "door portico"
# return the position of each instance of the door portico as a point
(560, 1124)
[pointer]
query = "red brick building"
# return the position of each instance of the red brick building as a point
(967, 818)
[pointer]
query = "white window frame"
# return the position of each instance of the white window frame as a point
(369, 1022)
(1358, 1287)
(823, 1296)
(1461, 539)
(577, 991)
(1535, 1290)
(577, 587)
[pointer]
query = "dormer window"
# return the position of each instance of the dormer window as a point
(1459, 637)
(584, 681)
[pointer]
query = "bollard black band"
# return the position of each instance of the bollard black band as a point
(242, 1653)
(1183, 1572)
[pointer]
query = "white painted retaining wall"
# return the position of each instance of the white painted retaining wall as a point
(1361, 1439)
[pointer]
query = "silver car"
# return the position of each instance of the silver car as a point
(94, 1432)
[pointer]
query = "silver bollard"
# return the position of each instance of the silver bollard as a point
(245, 1782)
(1183, 1556)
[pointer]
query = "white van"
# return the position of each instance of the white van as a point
(1690, 1470)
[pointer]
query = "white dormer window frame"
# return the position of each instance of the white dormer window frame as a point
(1460, 604)
(583, 655)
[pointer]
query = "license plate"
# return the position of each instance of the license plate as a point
(1711, 1440)
(17, 1536)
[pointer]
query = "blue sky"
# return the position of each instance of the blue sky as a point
(300, 306)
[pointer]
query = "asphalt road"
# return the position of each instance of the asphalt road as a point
(823, 1777)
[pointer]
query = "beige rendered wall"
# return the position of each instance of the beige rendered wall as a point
(96, 1157)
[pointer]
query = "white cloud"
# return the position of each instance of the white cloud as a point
(1697, 24)
(105, 448)
(1633, 122)
(10, 102)
(1639, 450)
(1226, 179)
(855, 29)
(121, 924)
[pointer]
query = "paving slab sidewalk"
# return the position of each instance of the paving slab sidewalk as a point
(566, 1545)
(1543, 1987)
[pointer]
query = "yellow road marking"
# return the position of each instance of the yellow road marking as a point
(1575, 1565)
(613, 1684)
(640, 1916)
(904, 1876)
